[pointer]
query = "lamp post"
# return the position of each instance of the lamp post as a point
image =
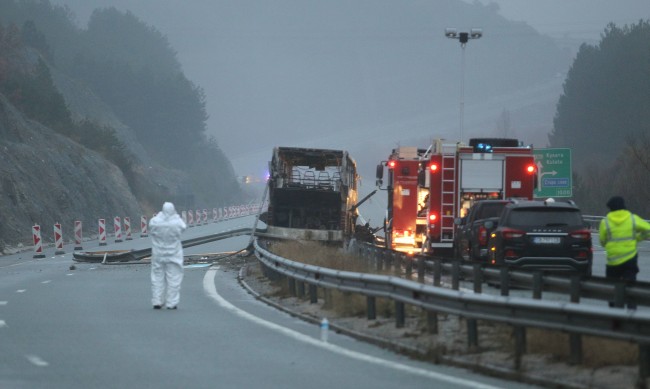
(463, 38)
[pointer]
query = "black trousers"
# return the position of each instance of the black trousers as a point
(626, 271)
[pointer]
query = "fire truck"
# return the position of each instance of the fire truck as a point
(459, 175)
(406, 217)
(429, 188)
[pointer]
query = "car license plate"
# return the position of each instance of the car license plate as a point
(546, 240)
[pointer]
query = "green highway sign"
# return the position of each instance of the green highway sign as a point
(553, 173)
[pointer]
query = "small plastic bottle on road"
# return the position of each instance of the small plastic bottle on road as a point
(324, 329)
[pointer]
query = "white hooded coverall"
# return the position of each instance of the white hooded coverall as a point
(167, 256)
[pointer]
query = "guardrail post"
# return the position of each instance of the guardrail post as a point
(472, 333)
(432, 322)
(437, 272)
(388, 260)
(397, 264)
(400, 316)
(371, 307)
(619, 295)
(421, 270)
(575, 349)
(644, 364)
(575, 289)
(292, 286)
(409, 267)
(313, 294)
(520, 345)
(505, 281)
(478, 278)
(301, 289)
(538, 285)
(455, 275)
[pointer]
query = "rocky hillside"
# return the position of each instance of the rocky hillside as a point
(46, 178)
(88, 132)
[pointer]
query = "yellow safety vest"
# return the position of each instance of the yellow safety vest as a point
(619, 232)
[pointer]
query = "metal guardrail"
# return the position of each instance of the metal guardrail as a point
(618, 292)
(144, 253)
(569, 317)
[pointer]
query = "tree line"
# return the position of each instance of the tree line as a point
(603, 115)
(133, 69)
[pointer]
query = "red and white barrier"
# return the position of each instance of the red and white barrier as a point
(198, 217)
(102, 231)
(58, 239)
(143, 226)
(78, 235)
(190, 218)
(127, 228)
(38, 243)
(214, 215)
(205, 216)
(117, 223)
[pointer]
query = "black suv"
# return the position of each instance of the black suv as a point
(547, 235)
(472, 233)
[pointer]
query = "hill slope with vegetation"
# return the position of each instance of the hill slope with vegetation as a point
(604, 117)
(114, 94)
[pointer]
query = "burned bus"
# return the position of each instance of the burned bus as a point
(312, 194)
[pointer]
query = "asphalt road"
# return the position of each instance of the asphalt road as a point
(94, 327)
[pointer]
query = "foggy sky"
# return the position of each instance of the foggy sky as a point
(261, 93)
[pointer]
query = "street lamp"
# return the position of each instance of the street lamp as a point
(463, 38)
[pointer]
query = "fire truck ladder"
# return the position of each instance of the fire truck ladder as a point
(448, 193)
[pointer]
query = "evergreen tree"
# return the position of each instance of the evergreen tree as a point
(606, 96)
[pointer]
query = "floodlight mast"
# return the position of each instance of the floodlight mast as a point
(463, 38)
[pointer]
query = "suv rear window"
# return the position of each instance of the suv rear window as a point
(491, 210)
(547, 217)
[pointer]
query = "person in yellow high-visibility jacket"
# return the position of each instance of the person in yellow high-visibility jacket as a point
(619, 233)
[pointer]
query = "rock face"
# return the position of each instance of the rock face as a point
(46, 178)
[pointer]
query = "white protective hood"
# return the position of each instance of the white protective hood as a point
(165, 229)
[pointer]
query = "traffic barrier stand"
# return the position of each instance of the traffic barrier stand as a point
(198, 217)
(117, 223)
(214, 215)
(190, 218)
(205, 216)
(78, 235)
(127, 228)
(38, 243)
(143, 226)
(102, 232)
(58, 239)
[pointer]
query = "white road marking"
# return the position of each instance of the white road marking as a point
(46, 282)
(21, 290)
(197, 265)
(3, 303)
(211, 290)
(19, 263)
(2, 323)
(36, 360)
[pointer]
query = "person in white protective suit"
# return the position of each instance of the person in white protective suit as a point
(166, 257)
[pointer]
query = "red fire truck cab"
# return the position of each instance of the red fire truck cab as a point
(458, 175)
(406, 217)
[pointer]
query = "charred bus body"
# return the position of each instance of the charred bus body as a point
(312, 194)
